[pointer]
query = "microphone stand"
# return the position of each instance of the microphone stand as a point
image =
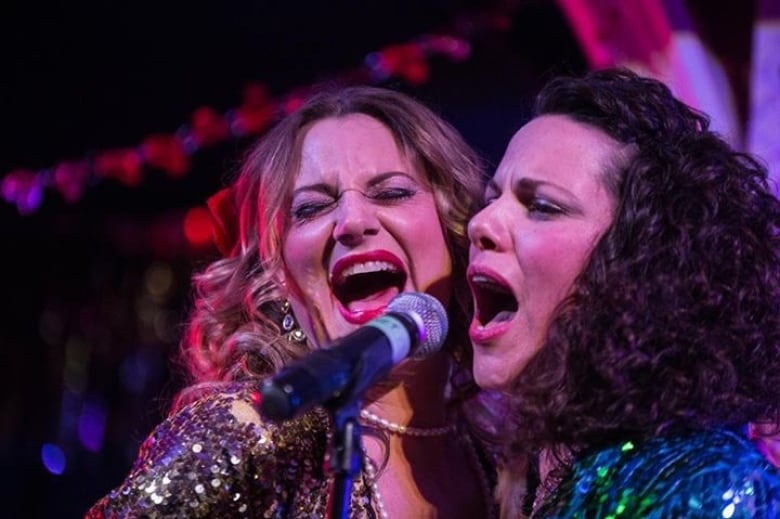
(345, 456)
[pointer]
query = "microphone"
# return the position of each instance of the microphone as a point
(415, 324)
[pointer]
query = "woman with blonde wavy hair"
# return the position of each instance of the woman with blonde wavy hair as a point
(359, 195)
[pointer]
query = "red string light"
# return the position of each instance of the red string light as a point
(171, 153)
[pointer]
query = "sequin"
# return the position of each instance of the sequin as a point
(214, 464)
(708, 474)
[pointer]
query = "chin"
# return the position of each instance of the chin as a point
(493, 379)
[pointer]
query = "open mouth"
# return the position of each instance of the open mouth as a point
(494, 302)
(367, 281)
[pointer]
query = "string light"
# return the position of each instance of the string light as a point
(170, 153)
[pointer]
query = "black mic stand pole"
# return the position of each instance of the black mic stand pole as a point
(345, 456)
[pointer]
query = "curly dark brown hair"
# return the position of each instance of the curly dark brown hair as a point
(674, 323)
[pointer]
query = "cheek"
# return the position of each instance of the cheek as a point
(295, 243)
(418, 229)
(302, 253)
(551, 263)
(431, 259)
(432, 254)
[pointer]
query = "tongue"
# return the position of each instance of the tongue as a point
(374, 301)
(503, 315)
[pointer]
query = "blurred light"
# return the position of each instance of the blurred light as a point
(76, 360)
(70, 178)
(158, 280)
(70, 409)
(92, 426)
(166, 152)
(53, 458)
(292, 103)
(50, 327)
(188, 140)
(208, 126)
(24, 188)
(377, 66)
(163, 326)
(132, 373)
(140, 369)
(124, 165)
(197, 227)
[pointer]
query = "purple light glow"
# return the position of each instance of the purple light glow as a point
(53, 458)
(92, 426)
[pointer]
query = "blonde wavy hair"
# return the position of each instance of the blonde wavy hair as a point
(234, 327)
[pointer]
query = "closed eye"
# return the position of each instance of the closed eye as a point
(308, 210)
(543, 209)
(490, 196)
(537, 202)
(392, 194)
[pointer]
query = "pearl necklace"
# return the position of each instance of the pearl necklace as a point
(373, 483)
(395, 428)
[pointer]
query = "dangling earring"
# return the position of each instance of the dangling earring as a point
(289, 326)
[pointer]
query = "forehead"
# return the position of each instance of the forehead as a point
(355, 144)
(557, 149)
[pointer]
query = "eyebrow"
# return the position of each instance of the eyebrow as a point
(319, 187)
(381, 177)
(528, 184)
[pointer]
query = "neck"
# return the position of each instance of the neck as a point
(414, 394)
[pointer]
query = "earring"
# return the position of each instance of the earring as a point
(289, 326)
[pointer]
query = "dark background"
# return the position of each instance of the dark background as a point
(95, 292)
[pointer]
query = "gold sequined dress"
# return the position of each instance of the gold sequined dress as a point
(217, 458)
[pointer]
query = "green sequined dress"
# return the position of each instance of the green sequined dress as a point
(713, 474)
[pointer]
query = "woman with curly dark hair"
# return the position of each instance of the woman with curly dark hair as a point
(625, 270)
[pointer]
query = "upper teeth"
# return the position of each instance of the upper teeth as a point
(368, 266)
(488, 282)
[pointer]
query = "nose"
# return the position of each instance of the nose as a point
(355, 219)
(487, 229)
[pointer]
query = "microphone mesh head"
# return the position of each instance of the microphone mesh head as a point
(430, 316)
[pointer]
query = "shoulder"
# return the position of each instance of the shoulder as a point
(218, 451)
(712, 473)
(227, 420)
